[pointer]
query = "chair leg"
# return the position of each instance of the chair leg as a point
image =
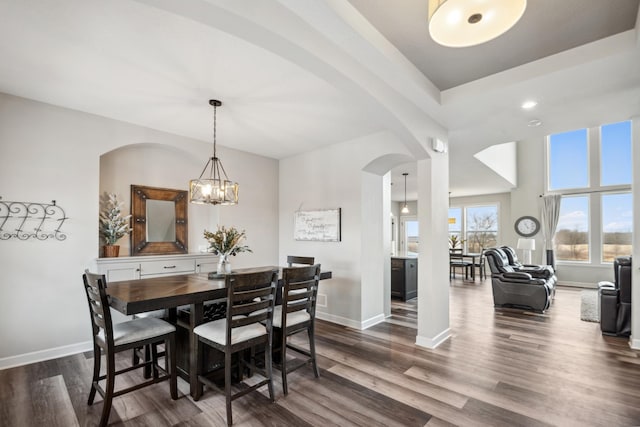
(154, 360)
(170, 355)
(283, 363)
(97, 357)
(227, 385)
(198, 349)
(147, 357)
(312, 349)
(135, 359)
(108, 391)
(268, 367)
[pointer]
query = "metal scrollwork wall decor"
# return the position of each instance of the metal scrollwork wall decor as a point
(25, 220)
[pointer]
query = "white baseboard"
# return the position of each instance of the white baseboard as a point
(350, 322)
(48, 354)
(578, 284)
(373, 321)
(634, 343)
(434, 342)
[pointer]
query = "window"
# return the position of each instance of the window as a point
(412, 233)
(615, 149)
(596, 216)
(477, 226)
(568, 160)
(617, 225)
(572, 234)
(481, 227)
(455, 222)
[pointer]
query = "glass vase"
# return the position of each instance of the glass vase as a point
(224, 266)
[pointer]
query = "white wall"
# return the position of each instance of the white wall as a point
(332, 178)
(165, 166)
(46, 153)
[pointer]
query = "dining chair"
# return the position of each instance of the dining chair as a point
(109, 339)
(456, 260)
(248, 323)
(480, 265)
(297, 314)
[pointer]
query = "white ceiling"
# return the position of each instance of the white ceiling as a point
(295, 76)
(547, 27)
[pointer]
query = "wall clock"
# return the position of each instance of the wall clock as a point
(527, 226)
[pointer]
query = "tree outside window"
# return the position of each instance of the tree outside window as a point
(482, 227)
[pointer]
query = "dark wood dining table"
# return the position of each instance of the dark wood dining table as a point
(170, 292)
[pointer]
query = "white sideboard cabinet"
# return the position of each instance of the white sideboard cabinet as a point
(141, 267)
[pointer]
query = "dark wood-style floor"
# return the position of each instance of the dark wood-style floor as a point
(500, 368)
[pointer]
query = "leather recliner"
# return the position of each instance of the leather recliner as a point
(538, 271)
(615, 300)
(517, 289)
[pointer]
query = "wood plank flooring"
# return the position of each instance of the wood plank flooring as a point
(500, 368)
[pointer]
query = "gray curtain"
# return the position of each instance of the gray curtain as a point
(550, 216)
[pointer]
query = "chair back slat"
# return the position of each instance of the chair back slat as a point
(248, 295)
(95, 286)
(304, 260)
(250, 306)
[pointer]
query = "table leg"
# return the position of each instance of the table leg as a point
(195, 318)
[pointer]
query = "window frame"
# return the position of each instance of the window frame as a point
(594, 191)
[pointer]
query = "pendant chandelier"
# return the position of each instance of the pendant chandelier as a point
(405, 208)
(462, 23)
(216, 189)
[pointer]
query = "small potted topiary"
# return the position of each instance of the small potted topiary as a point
(113, 226)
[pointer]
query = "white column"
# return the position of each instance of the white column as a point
(375, 249)
(433, 259)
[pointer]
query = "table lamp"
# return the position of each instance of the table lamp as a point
(527, 245)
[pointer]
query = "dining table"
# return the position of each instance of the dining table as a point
(169, 292)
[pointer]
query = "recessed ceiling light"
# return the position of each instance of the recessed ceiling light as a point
(535, 122)
(527, 105)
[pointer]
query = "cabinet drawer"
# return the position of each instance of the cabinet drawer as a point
(175, 266)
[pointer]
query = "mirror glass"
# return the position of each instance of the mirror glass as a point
(161, 221)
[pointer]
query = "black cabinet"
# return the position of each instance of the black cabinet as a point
(404, 278)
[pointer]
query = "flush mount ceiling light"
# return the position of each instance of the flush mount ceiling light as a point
(534, 123)
(213, 190)
(405, 208)
(528, 105)
(462, 23)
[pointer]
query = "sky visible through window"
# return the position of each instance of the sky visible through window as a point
(568, 160)
(569, 169)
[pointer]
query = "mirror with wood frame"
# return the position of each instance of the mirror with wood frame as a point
(159, 221)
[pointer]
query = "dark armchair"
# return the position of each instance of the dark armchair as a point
(517, 289)
(538, 271)
(615, 300)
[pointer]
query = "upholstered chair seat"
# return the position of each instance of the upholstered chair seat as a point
(137, 330)
(216, 331)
